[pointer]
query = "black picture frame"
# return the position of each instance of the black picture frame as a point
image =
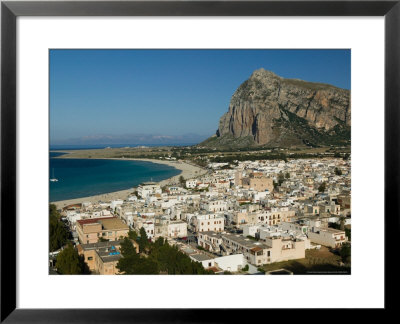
(10, 10)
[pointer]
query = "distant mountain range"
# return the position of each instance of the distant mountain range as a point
(268, 110)
(133, 139)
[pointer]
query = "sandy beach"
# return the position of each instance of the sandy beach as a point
(188, 171)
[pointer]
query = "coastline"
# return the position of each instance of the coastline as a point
(188, 171)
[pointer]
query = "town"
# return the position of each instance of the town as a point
(276, 216)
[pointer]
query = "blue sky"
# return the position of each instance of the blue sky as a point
(166, 92)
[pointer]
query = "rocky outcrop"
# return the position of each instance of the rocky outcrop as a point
(269, 110)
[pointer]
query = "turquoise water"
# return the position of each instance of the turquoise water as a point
(87, 177)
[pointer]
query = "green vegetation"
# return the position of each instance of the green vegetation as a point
(309, 85)
(348, 233)
(281, 178)
(322, 187)
(182, 181)
(297, 131)
(58, 232)
(69, 262)
(133, 263)
(245, 268)
(338, 172)
(345, 253)
(158, 257)
(132, 235)
(143, 240)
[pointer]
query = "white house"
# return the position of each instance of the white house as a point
(191, 184)
(177, 229)
(148, 188)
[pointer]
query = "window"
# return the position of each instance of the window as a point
(90, 258)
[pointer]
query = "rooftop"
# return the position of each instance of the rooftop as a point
(100, 245)
(201, 257)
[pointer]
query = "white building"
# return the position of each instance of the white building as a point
(208, 222)
(148, 188)
(231, 263)
(115, 203)
(327, 236)
(191, 184)
(213, 206)
(177, 229)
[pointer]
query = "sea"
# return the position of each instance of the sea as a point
(79, 178)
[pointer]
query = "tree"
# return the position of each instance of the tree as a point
(69, 262)
(322, 187)
(182, 181)
(348, 233)
(345, 252)
(161, 257)
(58, 232)
(144, 240)
(132, 235)
(130, 258)
(281, 178)
(287, 175)
(338, 172)
(132, 263)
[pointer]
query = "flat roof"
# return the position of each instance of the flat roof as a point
(99, 245)
(201, 257)
(113, 224)
(92, 220)
(245, 241)
(106, 257)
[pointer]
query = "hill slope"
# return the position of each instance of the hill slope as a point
(267, 110)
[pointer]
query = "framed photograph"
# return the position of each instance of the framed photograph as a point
(160, 158)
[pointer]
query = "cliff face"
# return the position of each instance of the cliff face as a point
(269, 110)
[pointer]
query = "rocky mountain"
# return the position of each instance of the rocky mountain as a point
(267, 110)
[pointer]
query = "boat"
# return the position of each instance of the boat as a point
(52, 179)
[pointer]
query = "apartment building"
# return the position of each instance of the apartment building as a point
(108, 228)
(191, 183)
(273, 249)
(177, 229)
(258, 182)
(210, 241)
(214, 205)
(208, 222)
(102, 257)
(327, 236)
(148, 188)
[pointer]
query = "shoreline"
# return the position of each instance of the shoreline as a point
(188, 171)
